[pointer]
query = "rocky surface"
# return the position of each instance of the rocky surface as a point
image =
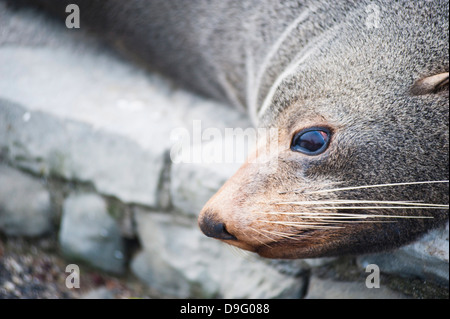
(89, 175)
(25, 206)
(89, 233)
(35, 270)
(332, 289)
(177, 259)
(427, 258)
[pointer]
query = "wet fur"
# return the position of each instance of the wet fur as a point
(293, 65)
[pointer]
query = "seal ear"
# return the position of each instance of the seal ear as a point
(432, 84)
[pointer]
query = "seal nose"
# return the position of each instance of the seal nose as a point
(213, 228)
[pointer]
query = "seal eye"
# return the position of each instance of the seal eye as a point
(311, 141)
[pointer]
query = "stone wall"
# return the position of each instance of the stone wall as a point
(85, 154)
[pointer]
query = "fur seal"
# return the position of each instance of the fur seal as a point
(358, 91)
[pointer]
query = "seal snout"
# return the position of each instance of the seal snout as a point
(214, 228)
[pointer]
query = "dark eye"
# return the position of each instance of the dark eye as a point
(311, 141)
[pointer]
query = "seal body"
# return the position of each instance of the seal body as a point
(358, 93)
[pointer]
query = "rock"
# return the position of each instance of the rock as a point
(104, 121)
(331, 289)
(99, 293)
(77, 151)
(160, 277)
(178, 260)
(196, 178)
(427, 258)
(89, 234)
(25, 207)
(192, 185)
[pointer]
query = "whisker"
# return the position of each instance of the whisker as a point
(319, 215)
(270, 238)
(299, 189)
(340, 216)
(271, 53)
(371, 186)
(380, 207)
(360, 202)
(300, 59)
(281, 234)
(325, 224)
(299, 224)
(237, 252)
(326, 221)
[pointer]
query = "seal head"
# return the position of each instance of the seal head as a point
(362, 158)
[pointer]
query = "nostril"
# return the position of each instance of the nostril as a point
(215, 229)
(226, 233)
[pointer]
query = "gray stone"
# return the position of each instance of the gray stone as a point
(178, 260)
(192, 185)
(160, 276)
(427, 258)
(89, 234)
(194, 180)
(47, 145)
(98, 293)
(331, 289)
(69, 107)
(25, 207)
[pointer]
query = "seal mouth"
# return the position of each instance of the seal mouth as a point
(281, 249)
(285, 251)
(242, 245)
